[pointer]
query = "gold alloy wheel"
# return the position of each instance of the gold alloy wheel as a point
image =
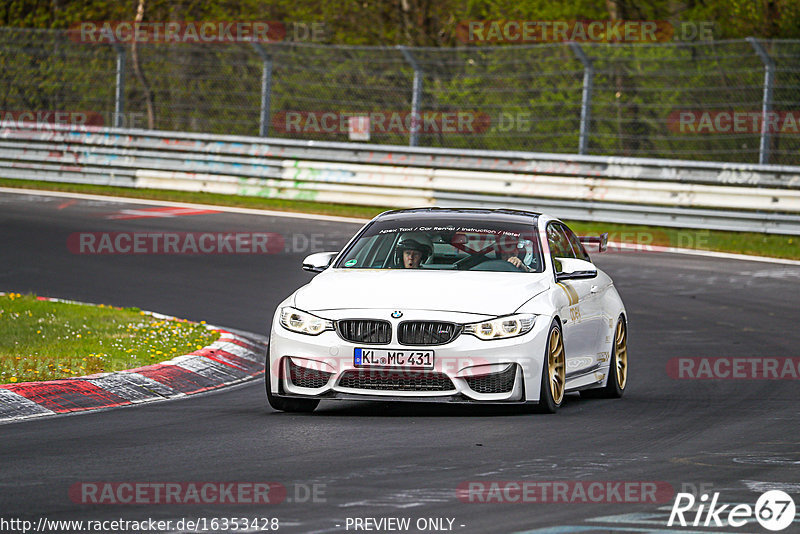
(621, 352)
(556, 366)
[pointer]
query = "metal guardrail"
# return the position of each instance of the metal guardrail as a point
(711, 100)
(689, 194)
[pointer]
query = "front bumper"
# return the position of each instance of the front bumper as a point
(465, 370)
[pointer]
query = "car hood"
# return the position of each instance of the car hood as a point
(486, 293)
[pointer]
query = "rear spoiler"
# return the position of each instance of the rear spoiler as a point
(601, 240)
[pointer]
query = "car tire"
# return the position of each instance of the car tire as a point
(551, 393)
(287, 405)
(618, 368)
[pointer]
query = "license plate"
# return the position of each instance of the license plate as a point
(417, 359)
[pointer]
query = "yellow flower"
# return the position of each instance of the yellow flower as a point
(12, 379)
(199, 347)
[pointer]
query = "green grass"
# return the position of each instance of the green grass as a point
(42, 340)
(757, 244)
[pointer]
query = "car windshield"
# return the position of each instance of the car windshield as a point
(446, 243)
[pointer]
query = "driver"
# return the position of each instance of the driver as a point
(413, 249)
(508, 248)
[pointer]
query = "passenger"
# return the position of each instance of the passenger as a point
(413, 250)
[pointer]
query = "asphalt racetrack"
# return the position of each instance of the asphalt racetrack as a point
(374, 461)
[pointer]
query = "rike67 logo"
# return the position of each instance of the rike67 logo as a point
(774, 510)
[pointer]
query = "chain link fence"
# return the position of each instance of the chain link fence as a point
(699, 101)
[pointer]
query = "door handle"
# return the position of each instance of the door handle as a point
(594, 289)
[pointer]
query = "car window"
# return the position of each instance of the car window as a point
(558, 242)
(577, 247)
(367, 252)
(446, 243)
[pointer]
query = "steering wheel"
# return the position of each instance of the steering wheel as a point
(496, 265)
(465, 264)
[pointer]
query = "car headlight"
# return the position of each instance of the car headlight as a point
(303, 322)
(501, 327)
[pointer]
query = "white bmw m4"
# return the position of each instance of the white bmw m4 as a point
(454, 306)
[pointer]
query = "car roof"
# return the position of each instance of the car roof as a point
(507, 215)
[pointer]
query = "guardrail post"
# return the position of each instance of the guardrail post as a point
(119, 96)
(266, 89)
(416, 97)
(766, 104)
(586, 96)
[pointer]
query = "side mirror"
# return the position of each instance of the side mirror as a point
(601, 241)
(316, 263)
(574, 269)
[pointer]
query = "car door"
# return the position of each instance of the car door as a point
(591, 305)
(577, 328)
